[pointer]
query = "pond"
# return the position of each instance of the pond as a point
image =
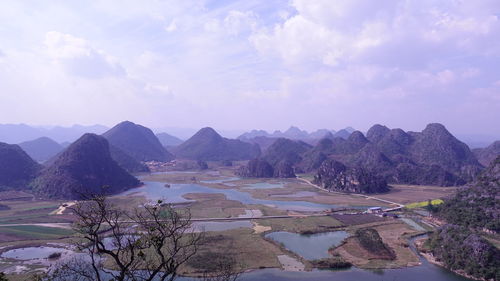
(174, 194)
(311, 246)
(31, 253)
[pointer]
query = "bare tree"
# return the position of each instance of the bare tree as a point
(150, 242)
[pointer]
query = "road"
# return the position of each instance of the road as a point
(399, 206)
(67, 225)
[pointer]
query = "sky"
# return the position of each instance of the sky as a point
(240, 65)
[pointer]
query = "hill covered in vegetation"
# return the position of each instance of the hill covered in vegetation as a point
(17, 168)
(486, 155)
(476, 205)
(208, 145)
(41, 149)
(138, 142)
(460, 249)
(83, 169)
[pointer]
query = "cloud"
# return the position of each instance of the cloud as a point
(78, 58)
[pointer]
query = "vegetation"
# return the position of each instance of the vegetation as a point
(335, 262)
(460, 249)
(371, 241)
(158, 244)
(476, 206)
(424, 204)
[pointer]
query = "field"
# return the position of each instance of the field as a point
(424, 204)
(405, 194)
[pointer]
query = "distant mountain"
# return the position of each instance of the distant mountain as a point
(294, 133)
(168, 140)
(263, 142)
(208, 145)
(17, 169)
(16, 133)
(85, 168)
(286, 150)
(138, 142)
(254, 133)
(486, 155)
(41, 149)
(335, 176)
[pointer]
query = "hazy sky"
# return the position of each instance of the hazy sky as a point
(252, 64)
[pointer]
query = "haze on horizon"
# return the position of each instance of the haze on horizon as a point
(252, 64)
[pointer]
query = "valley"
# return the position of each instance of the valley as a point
(239, 214)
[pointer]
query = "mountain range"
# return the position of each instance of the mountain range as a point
(294, 133)
(208, 145)
(17, 133)
(431, 157)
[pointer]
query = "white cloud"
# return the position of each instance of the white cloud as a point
(79, 58)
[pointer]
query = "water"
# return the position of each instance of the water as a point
(223, 180)
(310, 247)
(264, 185)
(157, 190)
(31, 253)
(413, 224)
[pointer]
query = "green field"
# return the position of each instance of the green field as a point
(423, 204)
(35, 232)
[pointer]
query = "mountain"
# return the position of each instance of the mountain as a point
(208, 145)
(293, 133)
(138, 142)
(342, 134)
(17, 169)
(126, 161)
(41, 149)
(335, 176)
(486, 155)
(263, 142)
(256, 168)
(254, 133)
(321, 133)
(168, 140)
(83, 169)
(431, 157)
(286, 150)
(16, 133)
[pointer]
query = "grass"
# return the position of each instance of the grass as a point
(302, 225)
(34, 232)
(423, 204)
